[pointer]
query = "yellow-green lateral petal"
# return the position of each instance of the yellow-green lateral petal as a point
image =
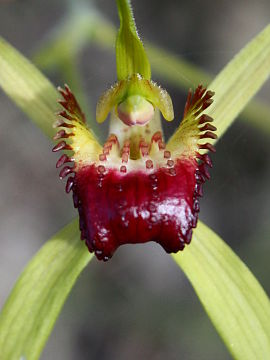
(74, 131)
(195, 129)
(111, 97)
(131, 57)
(160, 99)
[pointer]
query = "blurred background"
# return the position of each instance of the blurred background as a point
(139, 304)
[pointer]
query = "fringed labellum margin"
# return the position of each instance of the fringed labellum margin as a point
(135, 188)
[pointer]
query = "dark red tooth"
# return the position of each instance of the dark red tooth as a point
(108, 145)
(64, 114)
(65, 125)
(143, 143)
(125, 157)
(180, 238)
(208, 95)
(196, 205)
(157, 136)
(68, 92)
(209, 127)
(161, 145)
(69, 184)
(144, 148)
(62, 91)
(206, 158)
(101, 169)
(208, 134)
(204, 170)
(64, 104)
(62, 160)
(102, 157)
(58, 123)
(113, 139)
(170, 163)
(198, 94)
(149, 164)
(61, 134)
(167, 154)
(65, 171)
(194, 220)
(199, 189)
(188, 236)
(59, 146)
(200, 179)
(207, 146)
(207, 103)
(205, 118)
(106, 151)
(172, 171)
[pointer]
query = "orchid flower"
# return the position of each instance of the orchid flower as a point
(135, 188)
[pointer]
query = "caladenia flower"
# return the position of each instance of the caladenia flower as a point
(136, 188)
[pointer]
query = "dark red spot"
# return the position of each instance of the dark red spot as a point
(167, 154)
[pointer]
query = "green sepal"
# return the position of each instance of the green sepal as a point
(131, 57)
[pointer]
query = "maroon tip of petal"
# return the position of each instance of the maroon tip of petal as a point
(206, 158)
(208, 134)
(59, 146)
(209, 147)
(209, 127)
(207, 103)
(204, 170)
(62, 160)
(69, 184)
(65, 171)
(205, 118)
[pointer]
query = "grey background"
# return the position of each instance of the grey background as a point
(139, 304)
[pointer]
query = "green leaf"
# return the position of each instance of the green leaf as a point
(230, 294)
(38, 296)
(130, 54)
(239, 81)
(28, 88)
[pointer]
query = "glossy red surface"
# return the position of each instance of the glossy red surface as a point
(137, 207)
